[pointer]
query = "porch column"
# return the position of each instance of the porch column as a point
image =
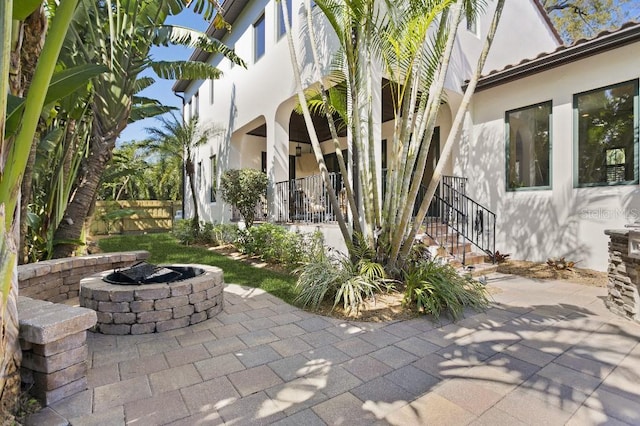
(277, 164)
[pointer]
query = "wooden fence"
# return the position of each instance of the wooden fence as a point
(130, 217)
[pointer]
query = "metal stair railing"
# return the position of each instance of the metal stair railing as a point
(453, 219)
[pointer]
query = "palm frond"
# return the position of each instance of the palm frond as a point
(185, 70)
(164, 35)
(142, 83)
(147, 110)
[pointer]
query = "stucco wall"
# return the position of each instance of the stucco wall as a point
(562, 221)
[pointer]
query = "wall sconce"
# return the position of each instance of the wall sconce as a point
(298, 151)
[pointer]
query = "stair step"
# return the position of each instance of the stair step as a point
(474, 258)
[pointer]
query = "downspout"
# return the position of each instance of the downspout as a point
(182, 176)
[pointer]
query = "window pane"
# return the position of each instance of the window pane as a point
(606, 135)
(528, 146)
(258, 38)
(281, 25)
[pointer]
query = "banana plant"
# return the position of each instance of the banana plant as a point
(15, 143)
(119, 34)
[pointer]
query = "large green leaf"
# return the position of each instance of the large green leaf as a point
(140, 112)
(62, 84)
(142, 83)
(23, 8)
(185, 70)
(67, 81)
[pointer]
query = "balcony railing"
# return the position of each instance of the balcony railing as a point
(306, 199)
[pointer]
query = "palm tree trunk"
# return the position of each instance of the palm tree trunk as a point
(455, 131)
(194, 198)
(10, 355)
(410, 189)
(355, 214)
(69, 231)
(346, 234)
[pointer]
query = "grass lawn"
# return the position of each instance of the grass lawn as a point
(165, 249)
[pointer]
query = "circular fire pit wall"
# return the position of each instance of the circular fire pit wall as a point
(148, 308)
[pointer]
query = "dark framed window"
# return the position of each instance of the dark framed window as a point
(258, 38)
(263, 165)
(199, 178)
(383, 155)
(282, 29)
(529, 147)
(214, 177)
(606, 135)
(472, 25)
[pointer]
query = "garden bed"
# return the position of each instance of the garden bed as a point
(542, 271)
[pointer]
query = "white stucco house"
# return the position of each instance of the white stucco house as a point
(550, 143)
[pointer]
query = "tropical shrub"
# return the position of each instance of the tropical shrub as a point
(436, 288)
(224, 233)
(335, 276)
(276, 244)
(243, 189)
(183, 231)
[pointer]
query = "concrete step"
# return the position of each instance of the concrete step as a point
(473, 258)
(480, 269)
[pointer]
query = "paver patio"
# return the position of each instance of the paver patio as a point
(545, 353)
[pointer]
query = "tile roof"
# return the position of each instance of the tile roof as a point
(605, 40)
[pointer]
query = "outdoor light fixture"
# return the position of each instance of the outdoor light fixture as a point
(298, 151)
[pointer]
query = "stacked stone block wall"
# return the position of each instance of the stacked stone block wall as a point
(57, 280)
(54, 349)
(623, 288)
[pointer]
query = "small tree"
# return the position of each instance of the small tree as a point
(243, 189)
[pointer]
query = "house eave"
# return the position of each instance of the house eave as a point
(561, 56)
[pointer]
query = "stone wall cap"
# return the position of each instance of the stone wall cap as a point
(54, 321)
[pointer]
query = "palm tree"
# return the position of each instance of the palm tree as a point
(177, 140)
(396, 35)
(130, 28)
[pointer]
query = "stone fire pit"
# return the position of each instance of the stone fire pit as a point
(135, 308)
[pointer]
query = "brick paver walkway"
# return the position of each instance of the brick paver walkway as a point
(546, 353)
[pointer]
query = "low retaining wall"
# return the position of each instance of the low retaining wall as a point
(53, 336)
(54, 349)
(58, 280)
(623, 288)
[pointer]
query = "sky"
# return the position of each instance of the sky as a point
(161, 89)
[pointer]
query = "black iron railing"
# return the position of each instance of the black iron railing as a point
(454, 220)
(306, 199)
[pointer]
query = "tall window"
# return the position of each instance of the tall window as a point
(211, 97)
(282, 29)
(258, 38)
(214, 177)
(472, 25)
(196, 102)
(606, 135)
(199, 179)
(529, 146)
